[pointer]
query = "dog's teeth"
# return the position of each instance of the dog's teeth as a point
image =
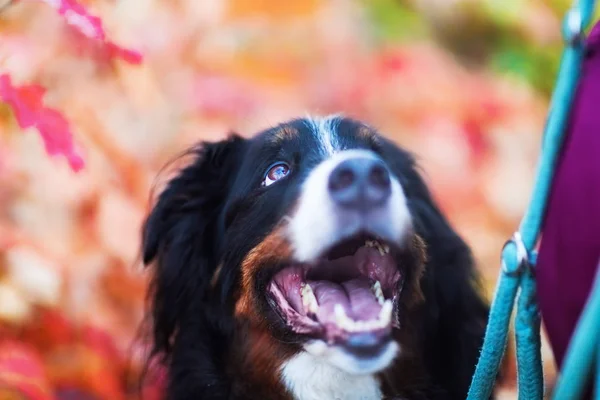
(370, 325)
(339, 312)
(381, 248)
(341, 319)
(349, 325)
(376, 288)
(385, 315)
(309, 301)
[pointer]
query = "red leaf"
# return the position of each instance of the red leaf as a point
(27, 103)
(22, 371)
(99, 341)
(90, 26)
(50, 328)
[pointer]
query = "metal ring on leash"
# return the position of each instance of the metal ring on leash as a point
(573, 28)
(522, 255)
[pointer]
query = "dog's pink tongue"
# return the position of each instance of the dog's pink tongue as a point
(328, 294)
(363, 303)
(354, 296)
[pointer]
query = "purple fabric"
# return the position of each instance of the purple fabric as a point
(570, 247)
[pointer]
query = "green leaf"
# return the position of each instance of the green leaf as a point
(392, 20)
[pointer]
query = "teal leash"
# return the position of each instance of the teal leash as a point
(518, 256)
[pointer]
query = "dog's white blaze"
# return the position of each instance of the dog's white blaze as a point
(325, 129)
(315, 374)
(323, 372)
(318, 223)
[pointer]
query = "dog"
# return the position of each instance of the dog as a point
(309, 262)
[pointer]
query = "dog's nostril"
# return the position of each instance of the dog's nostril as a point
(379, 176)
(341, 178)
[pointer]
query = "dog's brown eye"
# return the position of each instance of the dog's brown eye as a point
(275, 173)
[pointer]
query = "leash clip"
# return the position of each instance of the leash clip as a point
(522, 255)
(573, 27)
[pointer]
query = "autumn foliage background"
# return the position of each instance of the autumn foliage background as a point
(97, 95)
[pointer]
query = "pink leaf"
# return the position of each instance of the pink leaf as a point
(90, 26)
(219, 95)
(27, 103)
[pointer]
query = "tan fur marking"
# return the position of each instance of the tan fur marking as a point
(273, 248)
(366, 133)
(284, 133)
(261, 355)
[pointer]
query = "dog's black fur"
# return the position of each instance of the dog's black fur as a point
(214, 212)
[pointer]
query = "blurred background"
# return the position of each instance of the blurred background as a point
(465, 84)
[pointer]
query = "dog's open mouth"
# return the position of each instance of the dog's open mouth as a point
(346, 297)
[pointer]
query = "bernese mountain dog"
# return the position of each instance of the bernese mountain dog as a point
(309, 262)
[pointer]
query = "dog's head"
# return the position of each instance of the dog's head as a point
(314, 232)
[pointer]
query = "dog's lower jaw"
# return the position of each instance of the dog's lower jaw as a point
(339, 358)
(328, 372)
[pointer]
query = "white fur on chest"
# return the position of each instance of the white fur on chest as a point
(310, 378)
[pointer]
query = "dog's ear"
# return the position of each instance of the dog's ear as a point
(455, 314)
(179, 238)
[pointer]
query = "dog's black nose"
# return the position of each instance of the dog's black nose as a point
(360, 183)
